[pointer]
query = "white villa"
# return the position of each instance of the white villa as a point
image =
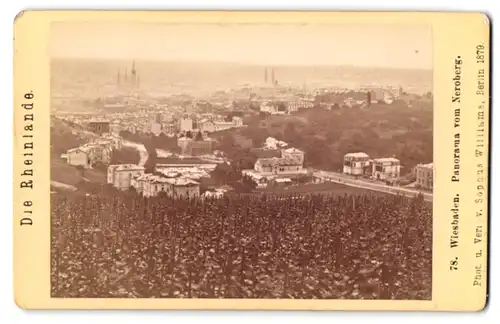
(356, 163)
(290, 165)
(360, 164)
(273, 144)
(97, 151)
(386, 168)
(121, 175)
(150, 185)
(212, 125)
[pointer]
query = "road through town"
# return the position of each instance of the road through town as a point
(341, 178)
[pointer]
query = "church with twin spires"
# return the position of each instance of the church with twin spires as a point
(128, 83)
(271, 82)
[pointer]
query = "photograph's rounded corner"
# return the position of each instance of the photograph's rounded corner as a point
(20, 301)
(19, 15)
(482, 305)
(485, 17)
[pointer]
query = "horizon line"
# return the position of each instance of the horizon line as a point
(431, 69)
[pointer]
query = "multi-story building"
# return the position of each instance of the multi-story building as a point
(210, 125)
(115, 128)
(184, 188)
(100, 153)
(350, 102)
(357, 164)
(185, 124)
(206, 125)
(89, 154)
(289, 165)
(158, 118)
(395, 91)
(424, 175)
(269, 107)
(150, 185)
(385, 94)
(169, 128)
(296, 105)
(154, 185)
(237, 121)
(98, 126)
(388, 97)
(141, 182)
(155, 128)
(293, 153)
(121, 175)
(79, 156)
(386, 168)
(275, 166)
(223, 125)
(183, 142)
(272, 143)
(114, 141)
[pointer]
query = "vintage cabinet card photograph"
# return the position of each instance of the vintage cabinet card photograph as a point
(251, 160)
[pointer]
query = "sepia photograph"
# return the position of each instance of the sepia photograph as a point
(241, 160)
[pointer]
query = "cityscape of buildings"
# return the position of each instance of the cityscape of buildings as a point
(190, 123)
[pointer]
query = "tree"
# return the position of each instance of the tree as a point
(248, 184)
(290, 133)
(254, 106)
(81, 170)
(63, 140)
(125, 155)
(281, 106)
(221, 173)
(150, 164)
(232, 114)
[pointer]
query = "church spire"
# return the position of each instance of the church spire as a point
(118, 77)
(133, 73)
(272, 77)
(265, 75)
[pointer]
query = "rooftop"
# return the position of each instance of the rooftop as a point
(428, 165)
(182, 182)
(98, 121)
(178, 160)
(357, 155)
(390, 159)
(144, 177)
(293, 150)
(128, 167)
(278, 161)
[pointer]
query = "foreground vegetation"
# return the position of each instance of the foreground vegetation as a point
(324, 247)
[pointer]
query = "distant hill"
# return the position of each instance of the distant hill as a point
(91, 78)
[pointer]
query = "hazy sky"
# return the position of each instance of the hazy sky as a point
(397, 46)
